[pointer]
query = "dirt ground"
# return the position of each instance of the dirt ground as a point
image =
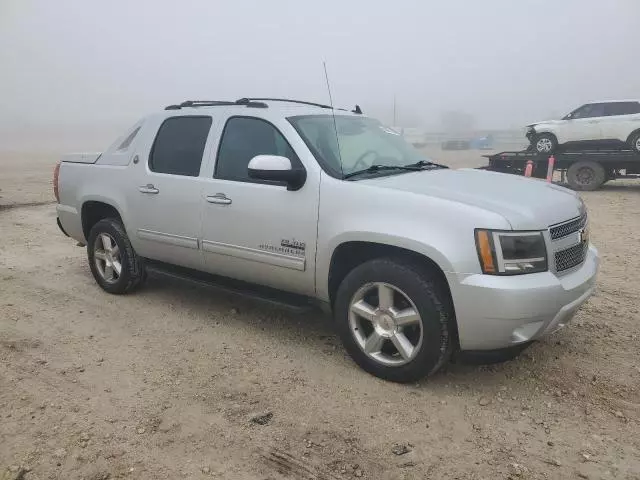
(178, 381)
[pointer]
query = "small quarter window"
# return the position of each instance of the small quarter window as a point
(127, 141)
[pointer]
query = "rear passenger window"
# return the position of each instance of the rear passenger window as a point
(179, 146)
(623, 108)
(244, 138)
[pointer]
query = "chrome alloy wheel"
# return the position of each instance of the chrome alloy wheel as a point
(385, 324)
(544, 145)
(106, 256)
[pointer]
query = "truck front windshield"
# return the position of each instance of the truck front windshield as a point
(362, 141)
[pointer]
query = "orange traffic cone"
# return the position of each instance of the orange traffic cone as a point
(552, 162)
(529, 168)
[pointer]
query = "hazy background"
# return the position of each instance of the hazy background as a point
(77, 72)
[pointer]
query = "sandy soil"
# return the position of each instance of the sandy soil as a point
(167, 383)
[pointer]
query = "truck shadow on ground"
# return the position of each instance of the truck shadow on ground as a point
(313, 331)
(626, 187)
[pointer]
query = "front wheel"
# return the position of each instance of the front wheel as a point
(545, 143)
(114, 264)
(394, 320)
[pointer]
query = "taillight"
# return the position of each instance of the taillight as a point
(56, 175)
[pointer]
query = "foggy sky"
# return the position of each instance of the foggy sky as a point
(507, 62)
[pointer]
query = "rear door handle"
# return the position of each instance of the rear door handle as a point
(148, 188)
(219, 198)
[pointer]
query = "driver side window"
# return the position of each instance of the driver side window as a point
(589, 110)
(242, 139)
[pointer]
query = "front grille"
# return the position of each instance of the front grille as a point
(568, 228)
(571, 257)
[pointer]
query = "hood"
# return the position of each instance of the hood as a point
(527, 204)
(545, 122)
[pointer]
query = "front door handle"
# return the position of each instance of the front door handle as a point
(219, 198)
(148, 188)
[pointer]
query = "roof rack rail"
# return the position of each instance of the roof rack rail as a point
(216, 103)
(302, 102)
(357, 109)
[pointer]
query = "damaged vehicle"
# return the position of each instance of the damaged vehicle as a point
(613, 124)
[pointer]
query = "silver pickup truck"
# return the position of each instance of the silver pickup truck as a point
(415, 260)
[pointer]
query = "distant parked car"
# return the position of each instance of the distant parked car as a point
(600, 124)
(482, 143)
(456, 145)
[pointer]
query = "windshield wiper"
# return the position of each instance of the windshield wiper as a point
(382, 168)
(425, 163)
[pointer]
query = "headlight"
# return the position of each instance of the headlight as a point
(583, 207)
(511, 253)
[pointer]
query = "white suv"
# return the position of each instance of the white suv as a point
(599, 124)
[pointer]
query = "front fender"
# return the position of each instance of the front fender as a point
(325, 255)
(549, 128)
(437, 228)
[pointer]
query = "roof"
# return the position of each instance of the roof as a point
(615, 100)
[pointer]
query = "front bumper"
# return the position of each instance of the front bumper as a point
(60, 226)
(495, 312)
(531, 133)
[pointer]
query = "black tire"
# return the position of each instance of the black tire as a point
(634, 141)
(431, 301)
(132, 272)
(545, 139)
(586, 176)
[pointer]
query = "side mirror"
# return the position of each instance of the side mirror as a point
(275, 168)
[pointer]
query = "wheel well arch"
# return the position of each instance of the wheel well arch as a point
(350, 254)
(551, 134)
(633, 134)
(94, 211)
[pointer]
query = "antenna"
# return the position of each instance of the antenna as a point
(333, 114)
(395, 124)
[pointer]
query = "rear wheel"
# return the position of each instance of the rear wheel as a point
(394, 320)
(635, 142)
(586, 175)
(545, 143)
(114, 264)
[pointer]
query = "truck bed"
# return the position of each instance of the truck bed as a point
(515, 161)
(80, 157)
